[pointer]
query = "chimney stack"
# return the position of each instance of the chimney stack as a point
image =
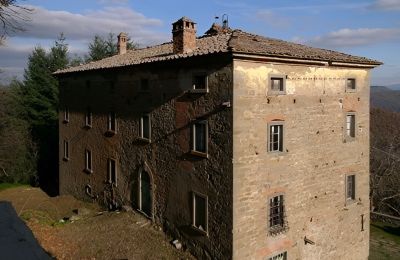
(184, 35)
(122, 40)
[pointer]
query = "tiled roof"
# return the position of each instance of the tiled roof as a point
(229, 41)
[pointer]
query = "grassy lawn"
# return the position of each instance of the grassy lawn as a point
(4, 186)
(385, 241)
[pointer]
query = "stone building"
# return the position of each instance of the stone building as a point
(240, 146)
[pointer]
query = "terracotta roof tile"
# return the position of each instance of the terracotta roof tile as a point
(230, 41)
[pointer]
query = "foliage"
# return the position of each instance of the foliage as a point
(385, 161)
(6, 185)
(103, 47)
(12, 17)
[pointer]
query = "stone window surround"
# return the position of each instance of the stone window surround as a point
(141, 133)
(272, 123)
(193, 150)
(269, 90)
(348, 200)
(194, 194)
(109, 164)
(348, 138)
(350, 90)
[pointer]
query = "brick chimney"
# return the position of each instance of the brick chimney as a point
(122, 40)
(184, 35)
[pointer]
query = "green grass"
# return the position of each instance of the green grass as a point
(4, 186)
(388, 237)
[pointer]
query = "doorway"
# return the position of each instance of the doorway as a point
(145, 193)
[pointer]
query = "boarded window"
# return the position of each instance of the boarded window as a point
(350, 187)
(200, 136)
(276, 137)
(200, 212)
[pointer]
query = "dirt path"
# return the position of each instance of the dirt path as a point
(108, 235)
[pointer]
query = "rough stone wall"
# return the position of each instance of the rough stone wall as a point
(174, 172)
(310, 172)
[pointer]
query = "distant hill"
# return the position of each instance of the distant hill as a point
(385, 98)
(394, 86)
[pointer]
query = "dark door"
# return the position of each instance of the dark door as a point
(145, 193)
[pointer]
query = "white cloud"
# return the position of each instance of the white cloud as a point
(272, 19)
(47, 24)
(112, 2)
(389, 5)
(355, 37)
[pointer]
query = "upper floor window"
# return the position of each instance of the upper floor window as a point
(112, 122)
(200, 83)
(276, 214)
(145, 127)
(112, 172)
(277, 85)
(350, 187)
(275, 140)
(66, 150)
(88, 161)
(200, 212)
(66, 115)
(350, 84)
(350, 126)
(88, 118)
(281, 256)
(200, 137)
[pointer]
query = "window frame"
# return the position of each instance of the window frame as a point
(66, 115)
(199, 90)
(88, 161)
(282, 134)
(278, 228)
(270, 91)
(352, 198)
(194, 151)
(205, 197)
(141, 124)
(109, 170)
(112, 118)
(274, 256)
(350, 90)
(347, 137)
(66, 150)
(88, 118)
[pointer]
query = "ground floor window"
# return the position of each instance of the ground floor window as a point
(200, 211)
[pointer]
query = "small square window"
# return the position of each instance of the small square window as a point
(88, 161)
(112, 122)
(66, 115)
(88, 118)
(200, 83)
(350, 126)
(112, 172)
(145, 127)
(200, 212)
(350, 187)
(277, 85)
(66, 150)
(200, 137)
(275, 142)
(281, 256)
(351, 84)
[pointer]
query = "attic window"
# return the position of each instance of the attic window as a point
(277, 85)
(351, 85)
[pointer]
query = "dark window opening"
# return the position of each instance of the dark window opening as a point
(200, 137)
(200, 82)
(351, 187)
(200, 212)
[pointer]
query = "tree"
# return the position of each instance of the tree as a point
(101, 47)
(12, 16)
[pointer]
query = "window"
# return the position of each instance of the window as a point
(281, 256)
(200, 83)
(112, 172)
(112, 122)
(200, 212)
(88, 161)
(350, 84)
(145, 127)
(66, 115)
(277, 85)
(351, 125)
(88, 118)
(200, 137)
(88, 190)
(144, 85)
(275, 142)
(66, 150)
(350, 187)
(276, 214)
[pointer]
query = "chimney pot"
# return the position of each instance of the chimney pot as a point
(122, 42)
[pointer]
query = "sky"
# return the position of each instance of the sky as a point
(368, 28)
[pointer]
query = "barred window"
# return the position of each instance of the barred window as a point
(281, 256)
(276, 213)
